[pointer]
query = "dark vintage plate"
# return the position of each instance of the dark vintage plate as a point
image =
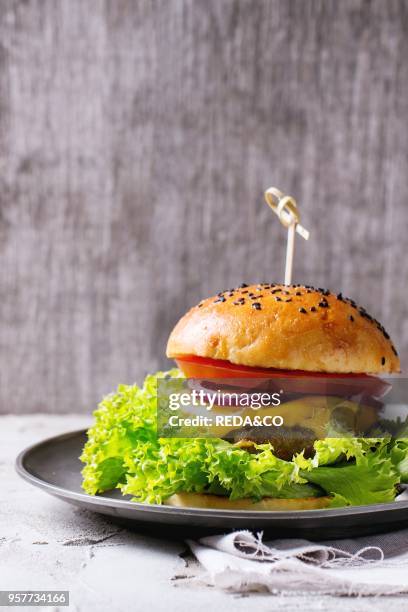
(53, 465)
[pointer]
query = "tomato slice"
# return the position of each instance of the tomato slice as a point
(292, 381)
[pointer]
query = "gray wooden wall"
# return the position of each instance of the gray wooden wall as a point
(136, 139)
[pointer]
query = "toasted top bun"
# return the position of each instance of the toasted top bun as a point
(285, 327)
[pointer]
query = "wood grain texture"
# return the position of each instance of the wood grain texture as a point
(136, 139)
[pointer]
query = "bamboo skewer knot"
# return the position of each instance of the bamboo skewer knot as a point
(285, 207)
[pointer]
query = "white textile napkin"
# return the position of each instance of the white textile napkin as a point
(242, 562)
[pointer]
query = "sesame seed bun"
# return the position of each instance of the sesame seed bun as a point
(286, 327)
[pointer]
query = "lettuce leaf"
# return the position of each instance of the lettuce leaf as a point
(370, 479)
(399, 456)
(124, 421)
(123, 451)
(203, 465)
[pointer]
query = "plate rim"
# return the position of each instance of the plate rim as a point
(98, 500)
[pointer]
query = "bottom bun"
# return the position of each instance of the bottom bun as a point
(200, 500)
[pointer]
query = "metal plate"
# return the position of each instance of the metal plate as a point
(53, 465)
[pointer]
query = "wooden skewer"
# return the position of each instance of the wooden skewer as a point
(286, 209)
(290, 253)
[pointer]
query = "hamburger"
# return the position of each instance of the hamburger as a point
(323, 349)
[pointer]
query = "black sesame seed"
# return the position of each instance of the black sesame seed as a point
(394, 350)
(298, 293)
(313, 309)
(278, 299)
(323, 304)
(220, 299)
(245, 291)
(231, 293)
(256, 305)
(288, 300)
(339, 296)
(303, 310)
(382, 360)
(256, 297)
(387, 336)
(351, 318)
(242, 286)
(200, 305)
(276, 291)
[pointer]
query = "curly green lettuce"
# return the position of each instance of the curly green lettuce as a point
(123, 451)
